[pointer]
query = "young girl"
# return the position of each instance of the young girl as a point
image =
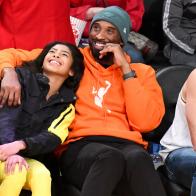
(29, 132)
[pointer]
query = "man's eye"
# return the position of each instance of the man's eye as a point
(95, 28)
(110, 31)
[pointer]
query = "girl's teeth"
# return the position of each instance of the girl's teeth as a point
(54, 62)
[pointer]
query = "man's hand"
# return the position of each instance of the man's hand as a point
(11, 162)
(10, 149)
(119, 56)
(10, 91)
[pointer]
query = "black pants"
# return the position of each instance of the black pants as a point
(99, 167)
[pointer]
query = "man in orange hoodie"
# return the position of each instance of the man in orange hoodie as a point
(116, 102)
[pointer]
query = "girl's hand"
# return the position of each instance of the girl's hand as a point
(10, 149)
(12, 161)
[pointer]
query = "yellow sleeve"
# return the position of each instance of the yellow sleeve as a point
(14, 57)
(60, 125)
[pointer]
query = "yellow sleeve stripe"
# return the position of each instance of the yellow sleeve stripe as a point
(60, 125)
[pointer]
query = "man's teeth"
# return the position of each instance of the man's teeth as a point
(100, 44)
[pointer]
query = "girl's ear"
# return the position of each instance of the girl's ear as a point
(71, 72)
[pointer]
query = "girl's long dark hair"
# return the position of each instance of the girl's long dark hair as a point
(77, 65)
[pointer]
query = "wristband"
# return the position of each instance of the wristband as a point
(130, 74)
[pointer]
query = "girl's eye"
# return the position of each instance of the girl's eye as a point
(51, 51)
(64, 54)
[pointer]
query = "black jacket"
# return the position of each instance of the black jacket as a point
(42, 124)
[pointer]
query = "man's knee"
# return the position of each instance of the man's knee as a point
(138, 157)
(112, 157)
(102, 153)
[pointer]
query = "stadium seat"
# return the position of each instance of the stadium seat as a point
(171, 80)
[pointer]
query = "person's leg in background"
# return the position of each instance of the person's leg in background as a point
(38, 179)
(140, 172)
(147, 48)
(11, 184)
(181, 168)
(134, 53)
(97, 169)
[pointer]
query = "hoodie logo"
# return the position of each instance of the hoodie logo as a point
(99, 94)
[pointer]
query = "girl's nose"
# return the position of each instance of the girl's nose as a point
(56, 55)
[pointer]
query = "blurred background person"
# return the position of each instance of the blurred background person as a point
(179, 25)
(32, 24)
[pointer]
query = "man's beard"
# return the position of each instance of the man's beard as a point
(106, 60)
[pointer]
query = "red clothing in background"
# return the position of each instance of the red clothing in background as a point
(32, 24)
(135, 9)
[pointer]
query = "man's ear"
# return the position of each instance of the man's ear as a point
(71, 72)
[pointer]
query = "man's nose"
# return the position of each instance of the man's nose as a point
(100, 35)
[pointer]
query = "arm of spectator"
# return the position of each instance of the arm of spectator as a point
(49, 139)
(135, 9)
(85, 12)
(10, 88)
(79, 11)
(191, 106)
(91, 12)
(172, 15)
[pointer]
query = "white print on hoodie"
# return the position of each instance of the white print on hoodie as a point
(98, 99)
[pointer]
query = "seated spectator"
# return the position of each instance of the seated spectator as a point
(32, 130)
(28, 25)
(117, 102)
(86, 10)
(179, 25)
(179, 142)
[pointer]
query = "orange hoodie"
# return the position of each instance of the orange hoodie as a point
(108, 105)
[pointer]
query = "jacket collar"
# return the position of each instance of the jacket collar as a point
(66, 94)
